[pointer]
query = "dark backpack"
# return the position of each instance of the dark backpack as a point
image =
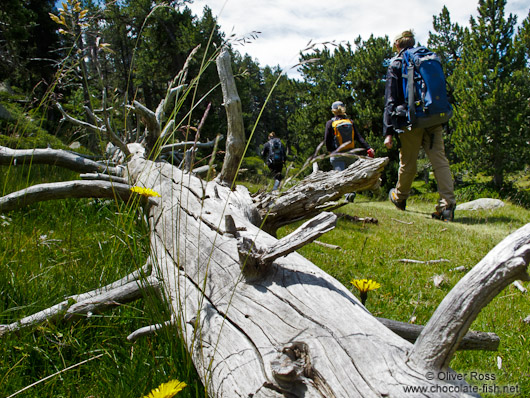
(275, 152)
(424, 87)
(344, 133)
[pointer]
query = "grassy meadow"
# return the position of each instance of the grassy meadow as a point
(408, 292)
(59, 248)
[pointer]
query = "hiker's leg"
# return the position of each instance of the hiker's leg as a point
(337, 162)
(349, 160)
(440, 166)
(340, 163)
(277, 170)
(408, 158)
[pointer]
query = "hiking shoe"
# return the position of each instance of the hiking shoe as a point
(447, 214)
(400, 204)
(350, 197)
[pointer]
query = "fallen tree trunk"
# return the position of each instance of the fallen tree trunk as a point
(273, 334)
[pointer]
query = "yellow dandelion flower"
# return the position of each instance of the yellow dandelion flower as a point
(146, 192)
(364, 286)
(167, 390)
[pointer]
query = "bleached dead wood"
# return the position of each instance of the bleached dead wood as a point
(257, 261)
(328, 245)
(55, 157)
(471, 341)
(402, 222)
(148, 330)
(320, 191)
(409, 260)
(125, 290)
(187, 144)
(270, 335)
(519, 287)
(103, 177)
(235, 140)
(63, 190)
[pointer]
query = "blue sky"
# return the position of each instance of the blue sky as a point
(287, 26)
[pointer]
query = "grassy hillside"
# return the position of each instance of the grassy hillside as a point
(407, 291)
(59, 248)
(55, 249)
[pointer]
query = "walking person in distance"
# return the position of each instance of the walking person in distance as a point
(416, 107)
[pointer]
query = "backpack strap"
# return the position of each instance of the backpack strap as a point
(410, 87)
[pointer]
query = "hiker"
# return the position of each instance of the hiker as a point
(339, 139)
(415, 125)
(274, 156)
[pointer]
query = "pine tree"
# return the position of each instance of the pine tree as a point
(447, 41)
(491, 101)
(353, 74)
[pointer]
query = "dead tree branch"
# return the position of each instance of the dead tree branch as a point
(149, 117)
(103, 177)
(485, 341)
(63, 190)
(110, 132)
(125, 290)
(320, 191)
(235, 140)
(56, 157)
(187, 144)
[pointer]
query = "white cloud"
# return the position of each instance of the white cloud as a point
(287, 26)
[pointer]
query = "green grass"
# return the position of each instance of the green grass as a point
(54, 249)
(59, 248)
(407, 291)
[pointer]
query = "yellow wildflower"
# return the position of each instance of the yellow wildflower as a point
(167, 390)
(146, 192)
(364, 286)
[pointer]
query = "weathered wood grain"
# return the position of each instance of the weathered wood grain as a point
(294, 331)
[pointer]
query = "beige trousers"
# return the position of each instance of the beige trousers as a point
(411, 142)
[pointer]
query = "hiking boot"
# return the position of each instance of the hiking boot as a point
(350, 197)
(447, 214)
(400, 204)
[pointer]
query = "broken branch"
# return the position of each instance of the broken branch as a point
(56, 157)
(63, 190)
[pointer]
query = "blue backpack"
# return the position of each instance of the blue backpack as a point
(424, 88)
(275, 152)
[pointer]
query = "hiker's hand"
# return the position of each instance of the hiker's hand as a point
(370, 152)
(388, 142)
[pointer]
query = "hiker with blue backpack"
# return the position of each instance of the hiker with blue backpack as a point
(416, 107)
(341, 136)
(274, 156)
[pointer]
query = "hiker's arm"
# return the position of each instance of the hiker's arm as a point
(389, 142)
(357, 137)
(393, 97)
(329, 137)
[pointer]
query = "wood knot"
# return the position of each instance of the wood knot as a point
(293, 364)
(250, 258)
(230, 226)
